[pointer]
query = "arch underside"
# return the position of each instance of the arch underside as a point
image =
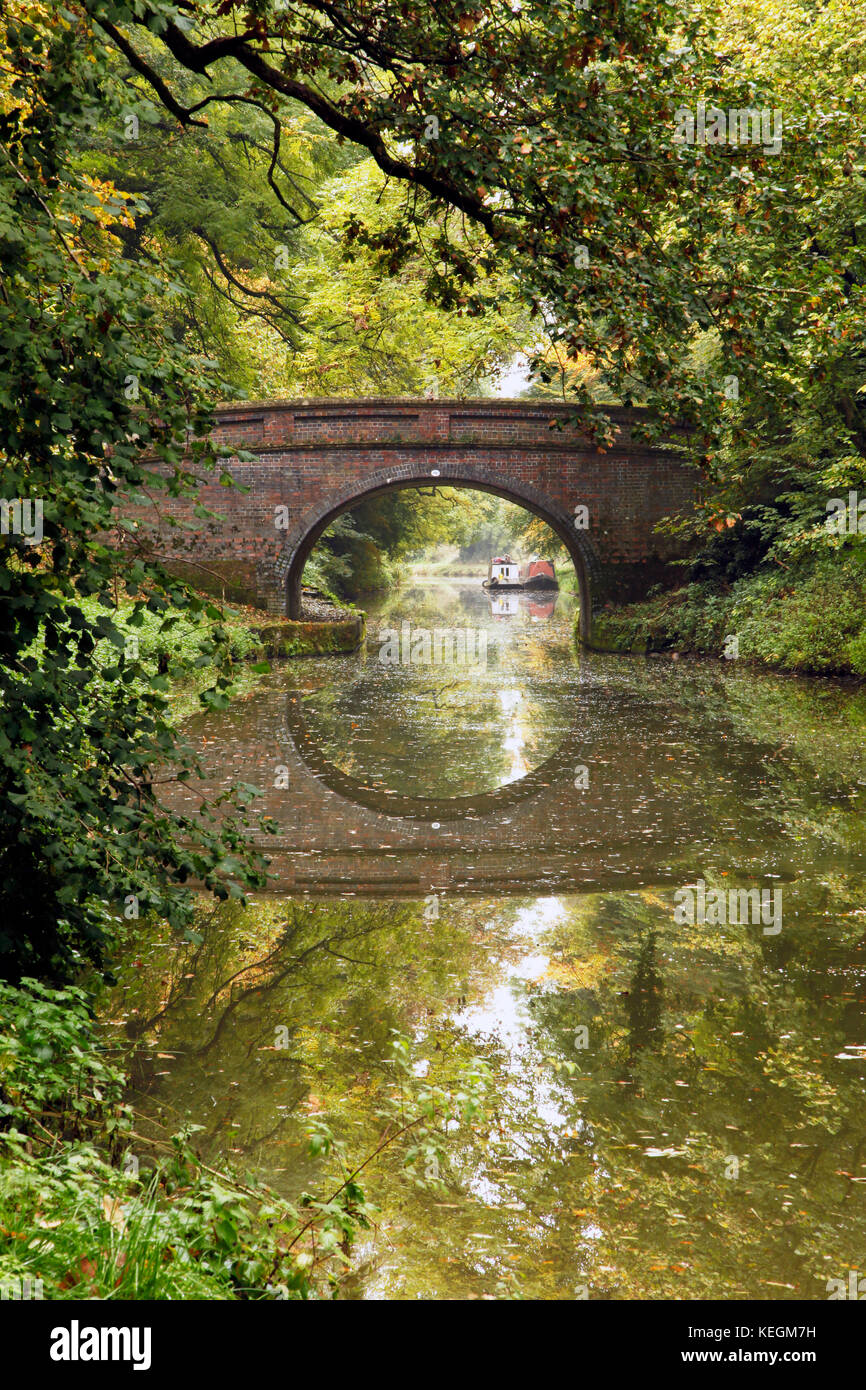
(301, 540)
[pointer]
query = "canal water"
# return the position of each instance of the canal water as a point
(510, 892)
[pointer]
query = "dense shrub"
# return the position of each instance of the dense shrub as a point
(811, 619)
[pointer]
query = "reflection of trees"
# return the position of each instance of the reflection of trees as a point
(438, 730)
(731, 1054)
(408, 737)
(735, 1060)
(705, 1045)
(270, 972)
(771, 753)
(644, 998)
(337, 977)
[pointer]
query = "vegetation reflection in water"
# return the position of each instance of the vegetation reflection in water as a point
(463, 726)
(666, 1109)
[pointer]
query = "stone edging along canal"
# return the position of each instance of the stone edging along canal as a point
(320, 637)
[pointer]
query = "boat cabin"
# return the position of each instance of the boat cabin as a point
(504, 570)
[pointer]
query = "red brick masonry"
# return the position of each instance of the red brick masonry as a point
(317, 458)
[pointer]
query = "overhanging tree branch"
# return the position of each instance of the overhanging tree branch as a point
(198, 58)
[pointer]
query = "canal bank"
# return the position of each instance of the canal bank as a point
(809, 620)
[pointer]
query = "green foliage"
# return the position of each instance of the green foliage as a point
(792, 257)
(810, 620)
(250, 212)
(813, 622)
(374, 328)
(486, 190)
(86, 375)
(222, 199)
(50, 1069)
(438, 1110)
(361, 552)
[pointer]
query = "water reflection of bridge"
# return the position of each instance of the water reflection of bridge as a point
(539, 834)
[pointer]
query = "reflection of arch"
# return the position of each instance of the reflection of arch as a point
(300, 541)
(558, 765)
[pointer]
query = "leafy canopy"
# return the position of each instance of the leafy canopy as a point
(95, 401)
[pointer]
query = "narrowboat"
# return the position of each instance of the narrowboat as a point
(505, 573)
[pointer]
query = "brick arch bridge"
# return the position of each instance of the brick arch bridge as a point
(313, 459)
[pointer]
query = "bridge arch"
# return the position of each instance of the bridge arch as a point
(301, 539)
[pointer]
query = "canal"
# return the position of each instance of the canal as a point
(485, 842)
